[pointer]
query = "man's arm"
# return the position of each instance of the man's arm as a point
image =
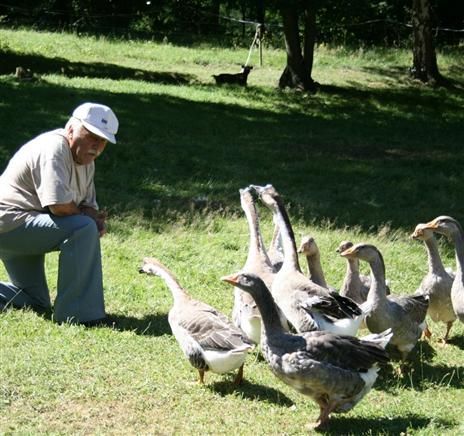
(64, 209)
(71, 209)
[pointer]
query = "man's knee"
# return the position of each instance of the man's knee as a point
(84, 225)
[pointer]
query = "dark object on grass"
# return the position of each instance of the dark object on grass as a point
(22, 73)
(234, 79)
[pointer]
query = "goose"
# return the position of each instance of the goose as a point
(245, 313)
(276, 251)
(451, 228)
(355, 285)
(306, 305)
(437, 282)
(309, 248)
(206, 336)
(405, 315)
(335, 371)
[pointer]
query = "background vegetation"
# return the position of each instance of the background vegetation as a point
(354, 22)
(366, 158)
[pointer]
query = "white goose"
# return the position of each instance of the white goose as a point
(335, 371)
(405, 315)
(355, 285)
(309, 248)
(206, 336)
(452, 229)
(245, 313)
(437, 282)
(306, 305)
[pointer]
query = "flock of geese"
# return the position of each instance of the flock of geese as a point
(306, 330)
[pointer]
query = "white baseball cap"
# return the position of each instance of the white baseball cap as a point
(98, 119)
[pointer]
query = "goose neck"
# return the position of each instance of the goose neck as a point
(433, 256)
(316, 273)
(268, 311)
(288, 238)
(178, 293)
(459, 251)
(256, 243)
(377, 290)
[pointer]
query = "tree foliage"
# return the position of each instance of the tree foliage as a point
(385, 22)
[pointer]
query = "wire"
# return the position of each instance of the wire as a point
(231, 19)
(252, 45)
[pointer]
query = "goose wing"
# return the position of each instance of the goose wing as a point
(330, 304)
(414, 305)
(211, 329)
(345, 352)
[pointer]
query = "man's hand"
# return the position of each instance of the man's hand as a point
(100, 220)
(98, 216)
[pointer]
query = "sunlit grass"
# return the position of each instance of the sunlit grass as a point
(366, 158)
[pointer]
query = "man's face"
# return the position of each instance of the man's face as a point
(85, 145)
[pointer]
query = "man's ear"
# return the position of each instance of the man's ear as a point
(70, 132)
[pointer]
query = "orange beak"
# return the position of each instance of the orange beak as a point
(431, 225)
(232, 279)
(349, 252)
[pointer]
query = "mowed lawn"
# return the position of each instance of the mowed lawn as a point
(366, 158)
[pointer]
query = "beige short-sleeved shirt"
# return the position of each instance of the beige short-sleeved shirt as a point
(40, 174)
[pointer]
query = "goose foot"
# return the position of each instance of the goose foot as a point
(404, 368)
(239, 377)
(427, 333)
(448, 328)
(201, 373)
(323, 419)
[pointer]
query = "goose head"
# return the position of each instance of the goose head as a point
(267, 193)
(445, 225)
(308, 246)
(247, 282)
(344, 245)
(151, 266)
(367, 252)
(247, 196)
(422, 232)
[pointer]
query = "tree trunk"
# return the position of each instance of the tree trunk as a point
(297, 73)
(425, 66)
(309, 40)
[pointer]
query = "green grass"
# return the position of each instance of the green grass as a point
(365, 159)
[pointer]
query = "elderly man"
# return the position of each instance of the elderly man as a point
(48, 203)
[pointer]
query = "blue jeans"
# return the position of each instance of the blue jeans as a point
(80, 285)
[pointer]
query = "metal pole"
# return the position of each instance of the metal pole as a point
(260, 34)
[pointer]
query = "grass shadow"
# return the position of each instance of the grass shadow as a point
(320, 163)
(423, 351)
(149, 325)
(408, 97)
(457, 341)
(44, 65)
(397, 74)
(340, 425)
(419, 376)
(252, 391)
